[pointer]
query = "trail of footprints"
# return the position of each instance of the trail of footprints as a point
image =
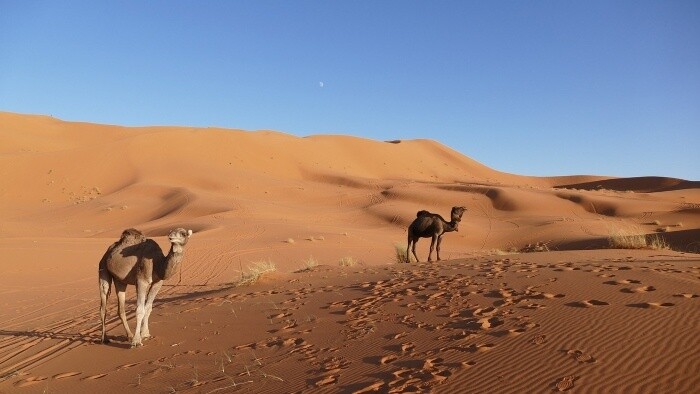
(465, 329)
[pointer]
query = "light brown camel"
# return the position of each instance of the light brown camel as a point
(432, 225)
(135, 260)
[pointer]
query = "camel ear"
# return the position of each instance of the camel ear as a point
(189, 233)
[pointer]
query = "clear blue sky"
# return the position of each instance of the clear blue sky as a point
(529, 87)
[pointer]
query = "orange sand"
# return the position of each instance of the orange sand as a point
(581, 317)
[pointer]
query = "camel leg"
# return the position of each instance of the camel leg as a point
(141, 293)
(437, 247)
(105, 282)
(155, 288)
(432, 246)
(121, 306)
(413, 249)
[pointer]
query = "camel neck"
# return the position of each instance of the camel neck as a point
(176, 248)
(172, 260)
(451, 226)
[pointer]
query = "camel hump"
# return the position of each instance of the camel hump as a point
(132, 235)
(422, 213)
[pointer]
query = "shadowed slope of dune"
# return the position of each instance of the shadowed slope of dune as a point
(636, 184)
(80, 179)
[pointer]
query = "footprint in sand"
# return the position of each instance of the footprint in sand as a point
(565, 383)
(516, 331)
(30, 381)
(126, 366)
(533, 305)
(488, 311)
(641, 289)
(326, 380)
(334, 365)
(94, 377)
(407, 347)
(686, 295)
(66, 375)
(483, 347)
(551, 295)
(650, 305)
(396, 336)
(371, 388)
(490, 322)
(580, 356)
(432, 362)
(388, 359)
(623, 282)
(586, 303)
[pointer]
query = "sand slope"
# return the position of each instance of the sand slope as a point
(581, 317)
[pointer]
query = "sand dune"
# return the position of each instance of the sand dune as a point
(489, 318)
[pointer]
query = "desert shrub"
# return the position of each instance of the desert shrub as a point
(536, 247)
(347, 262)
(657, 242)
(308, 265)
(631, 238)
(255, 272)
(402, 254)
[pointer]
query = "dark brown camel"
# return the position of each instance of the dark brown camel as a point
(434, 226)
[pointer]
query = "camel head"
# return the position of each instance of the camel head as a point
(179, 236)
(457, 213)
(457, 216)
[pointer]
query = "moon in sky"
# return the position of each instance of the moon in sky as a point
(320, 84)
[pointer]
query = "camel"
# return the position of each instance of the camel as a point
(135, 260)
(432, 225)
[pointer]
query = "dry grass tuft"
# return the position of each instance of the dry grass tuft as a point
(657, 242)
(625, 240)
(309, 265)
(536, 247)
(402, 254)
(255, 272)
(633, 238)
(347, 262)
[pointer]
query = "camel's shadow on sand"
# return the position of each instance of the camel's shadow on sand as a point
(73, 337)
(119, 341)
